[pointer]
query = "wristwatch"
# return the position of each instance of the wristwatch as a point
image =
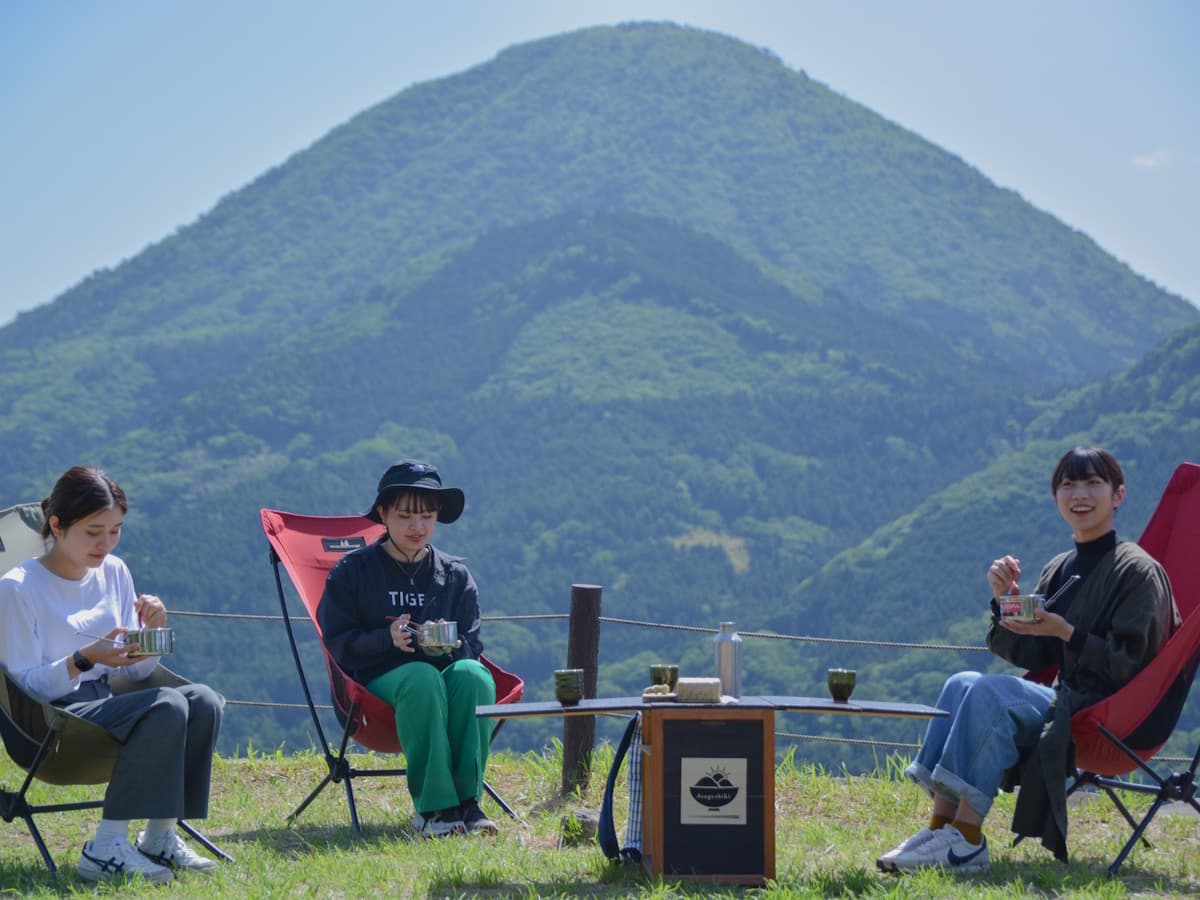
(82, 663)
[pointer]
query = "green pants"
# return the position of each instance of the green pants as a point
(445, 743)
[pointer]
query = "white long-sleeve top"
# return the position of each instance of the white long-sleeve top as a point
(42, 615)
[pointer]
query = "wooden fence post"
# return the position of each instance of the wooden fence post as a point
(583, 652)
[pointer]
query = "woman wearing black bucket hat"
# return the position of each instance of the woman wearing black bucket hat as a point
(373, 597)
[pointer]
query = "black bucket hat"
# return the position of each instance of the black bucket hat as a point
(420, 476)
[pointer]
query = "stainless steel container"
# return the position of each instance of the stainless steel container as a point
(1022, 607)
(152, 641)
(435, 638)
(728, 646)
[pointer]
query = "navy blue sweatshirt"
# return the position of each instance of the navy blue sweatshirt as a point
(367, 590)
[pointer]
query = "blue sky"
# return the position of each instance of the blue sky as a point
(126, 119)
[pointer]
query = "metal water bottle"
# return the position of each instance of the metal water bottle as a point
(728, 645)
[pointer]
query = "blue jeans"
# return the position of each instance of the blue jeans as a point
(993, 718)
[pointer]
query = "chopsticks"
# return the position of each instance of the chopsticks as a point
(1070, 581)
(99, 637)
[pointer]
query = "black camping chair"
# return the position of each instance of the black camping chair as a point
(52, 745)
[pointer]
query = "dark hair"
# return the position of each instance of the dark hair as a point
(78, 493)
(1083, 462)
(413, 500)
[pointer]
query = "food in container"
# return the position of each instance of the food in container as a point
(435, 638)
(1022, 607)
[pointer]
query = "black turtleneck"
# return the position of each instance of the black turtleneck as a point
(1081, 562)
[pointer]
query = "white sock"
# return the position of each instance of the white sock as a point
(111, 831)
(157, 833)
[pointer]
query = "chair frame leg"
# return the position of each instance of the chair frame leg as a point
(16, 805)
(204, 842)
(1177, 787)
(491, 791)
(503, 804)
(340, 771)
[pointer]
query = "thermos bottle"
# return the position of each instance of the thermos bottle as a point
(728, 645)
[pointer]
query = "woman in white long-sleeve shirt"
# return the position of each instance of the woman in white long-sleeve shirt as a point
(51, 609)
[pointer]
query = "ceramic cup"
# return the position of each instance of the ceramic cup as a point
(664, 673)
(568, 686)
(841, 684)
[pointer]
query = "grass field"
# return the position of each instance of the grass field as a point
(828, 831)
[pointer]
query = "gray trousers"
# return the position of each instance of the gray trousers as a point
(167, 736)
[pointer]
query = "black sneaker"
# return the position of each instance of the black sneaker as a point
(475, 819)
(442, 823)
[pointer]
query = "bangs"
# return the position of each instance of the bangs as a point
(1082, 464)
(412, 500)
(1085, 462)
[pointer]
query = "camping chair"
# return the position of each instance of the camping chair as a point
(308, 546)
(1121, 733)
(52, 745)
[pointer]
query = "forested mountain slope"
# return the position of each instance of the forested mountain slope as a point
(681, 321)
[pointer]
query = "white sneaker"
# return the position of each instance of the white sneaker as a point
(887, 862)
(947, 849)
(176, 855)
(116, 860)
(442, 823)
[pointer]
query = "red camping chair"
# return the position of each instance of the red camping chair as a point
(1123, 731)
(308, 546)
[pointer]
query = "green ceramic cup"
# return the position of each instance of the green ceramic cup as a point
(841, 684)
(664, 673)
(568, 686)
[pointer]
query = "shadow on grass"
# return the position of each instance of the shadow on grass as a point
(301, 840)
(1086, 875)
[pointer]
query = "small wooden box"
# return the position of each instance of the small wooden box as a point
(708, 793)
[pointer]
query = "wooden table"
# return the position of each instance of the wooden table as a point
(708, 776)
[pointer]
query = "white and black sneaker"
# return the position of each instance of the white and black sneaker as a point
(887, 862)
(117, 860)
(948, 850)
(442, 823)
(476, 820)
(175, 855)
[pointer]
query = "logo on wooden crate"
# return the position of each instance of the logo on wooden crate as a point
(712, 791)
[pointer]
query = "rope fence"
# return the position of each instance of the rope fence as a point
(698, 629)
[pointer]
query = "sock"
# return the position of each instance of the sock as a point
(157, 833)
(973, 833)
(111, 831)
(936, 822)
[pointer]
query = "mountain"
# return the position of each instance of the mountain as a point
(681, 321)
